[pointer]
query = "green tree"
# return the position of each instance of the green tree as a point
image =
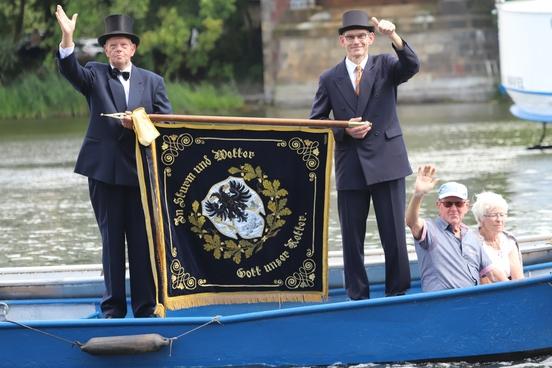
(19, 19)
(183, 35)
(191, 40)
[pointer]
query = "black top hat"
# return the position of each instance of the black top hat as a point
(355, 19)
(118, 25)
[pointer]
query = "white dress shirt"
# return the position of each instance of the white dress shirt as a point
(351, 68)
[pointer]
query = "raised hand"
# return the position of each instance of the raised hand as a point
(66, 25)
(387, 28)
(425, 180)
(383, 26)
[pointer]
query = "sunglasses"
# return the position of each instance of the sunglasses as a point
(449, 204)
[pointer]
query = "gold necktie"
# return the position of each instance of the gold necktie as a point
(358, 73)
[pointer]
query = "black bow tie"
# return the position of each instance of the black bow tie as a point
(116, 72)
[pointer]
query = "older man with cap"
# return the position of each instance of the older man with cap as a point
(107, 156)
(371, 161)
(450, 255)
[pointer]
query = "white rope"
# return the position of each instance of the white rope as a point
(73, 343)
(173, 339)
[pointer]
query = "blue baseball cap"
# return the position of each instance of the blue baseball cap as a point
(453, 189)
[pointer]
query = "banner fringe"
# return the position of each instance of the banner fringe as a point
(199, 300)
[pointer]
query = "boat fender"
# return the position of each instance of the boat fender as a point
(124, 345)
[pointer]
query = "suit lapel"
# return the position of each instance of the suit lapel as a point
(117, 93)
(343, 83)
(136, 88)
(366, 84)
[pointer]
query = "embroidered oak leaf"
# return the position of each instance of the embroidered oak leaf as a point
(274, 223)
(234, 170)
(237, 250)
(278, 208)
(248, 172)
(259, 173)
(195, 206)
(197, 223)
(250, 247)
(233, 251)
(273, 190)
(213, 243)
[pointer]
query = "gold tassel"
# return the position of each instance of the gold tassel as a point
(144, 128)
(160, 310)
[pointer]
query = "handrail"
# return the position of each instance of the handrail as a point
(534, 238)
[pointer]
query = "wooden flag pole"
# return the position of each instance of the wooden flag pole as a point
(257, 121)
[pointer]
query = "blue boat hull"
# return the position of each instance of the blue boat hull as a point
(489, 321)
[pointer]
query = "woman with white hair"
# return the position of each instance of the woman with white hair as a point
(490, 210)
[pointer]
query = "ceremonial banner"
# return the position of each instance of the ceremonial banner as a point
(237, 214)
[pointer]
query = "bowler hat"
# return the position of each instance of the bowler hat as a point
(118, 25)
(354, 19)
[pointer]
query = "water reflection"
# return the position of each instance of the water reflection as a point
(46, 218)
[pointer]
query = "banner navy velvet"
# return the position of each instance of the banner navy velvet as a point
(237, 214)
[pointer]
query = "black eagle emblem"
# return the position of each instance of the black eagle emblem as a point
(230, 202)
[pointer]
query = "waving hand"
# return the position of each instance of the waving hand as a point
(66, 25)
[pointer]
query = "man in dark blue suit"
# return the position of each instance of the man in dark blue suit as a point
(107, 156)
(371, 161)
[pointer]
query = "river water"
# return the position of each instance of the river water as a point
(46, 217)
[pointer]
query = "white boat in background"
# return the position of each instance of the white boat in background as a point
(524, 35)
(86, 281)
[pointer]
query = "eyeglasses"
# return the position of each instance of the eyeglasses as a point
(496, 215)
(449, 204)
(360, 36)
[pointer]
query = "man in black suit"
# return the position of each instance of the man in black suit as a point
(107, 156)
(371, 161)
